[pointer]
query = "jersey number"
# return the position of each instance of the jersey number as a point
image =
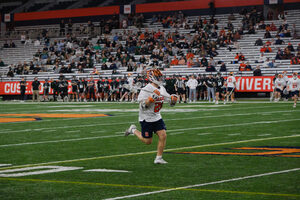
(158, 106)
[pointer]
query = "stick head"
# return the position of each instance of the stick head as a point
(155, 76)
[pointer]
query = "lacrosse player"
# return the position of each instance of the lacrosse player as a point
(99, 89)
(219, 82)
(293, 87)
(231, 84)
(106, 87)
(280, 83)
(151, 99)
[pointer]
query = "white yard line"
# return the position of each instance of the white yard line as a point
(205, 184)
(172, 131)
(204, 133)
(176, 133)
(76, 131)
(267, 134)
(240, 124)
(149, 152)
(58, 141)
(233, 134)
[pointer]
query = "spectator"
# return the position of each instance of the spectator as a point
(266, 49)
(36, 90)
(10, 73)
(257, 71)
(1, 63)
(258, 42)
(295, 61)
(268, 34)
(204, 62)
(278, 41)
(174, 61)
(242, 67)
(279, 54)
(272, 64)
(181, 61)
(192, 84)
(248, 67)
(223, 67)
(290, 47)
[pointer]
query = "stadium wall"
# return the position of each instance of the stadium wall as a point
(193, 7)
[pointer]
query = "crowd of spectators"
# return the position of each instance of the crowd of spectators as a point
(134, 50)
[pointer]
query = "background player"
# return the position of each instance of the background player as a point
(151, 99)
(219, 82)
(293, 87)
(231, 84)
(279, 85)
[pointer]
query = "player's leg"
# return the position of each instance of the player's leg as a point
(232, 97)
(162, 138)
(295, 99)
(217, 97)
(145, 136)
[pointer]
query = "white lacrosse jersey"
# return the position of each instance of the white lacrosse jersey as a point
(294, 84)
(280, 83)
(231, 81)
(151, 113)
(130, 81)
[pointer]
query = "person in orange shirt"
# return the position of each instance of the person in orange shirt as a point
(295, 61)
(222, 32)
(263, 49)
(242, 67)
(268, 49)
(273, 27)
(268, 43)
(174, 61)
(142, 36)
(189, 55)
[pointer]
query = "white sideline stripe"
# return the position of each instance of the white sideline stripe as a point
(264, 134)
(241, 124)
(176, 133)
(63, 127)
(57, 141)
(148, 152)
(106, 170)
(76, 131)
(204, 133)
(5, 165)
(120, 123)
(175, 130)
(204, 184)
(232, 134)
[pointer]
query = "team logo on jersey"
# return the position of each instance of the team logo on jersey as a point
(292, 152)
(4, 118)
(146, 134)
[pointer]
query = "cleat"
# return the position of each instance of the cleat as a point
(160, 161)
(130, 130)
(294, 106)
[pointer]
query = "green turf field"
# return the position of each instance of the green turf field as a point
(268, 166)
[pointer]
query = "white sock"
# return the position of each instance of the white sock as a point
(158, 157)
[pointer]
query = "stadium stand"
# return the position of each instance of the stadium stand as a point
(246, 46)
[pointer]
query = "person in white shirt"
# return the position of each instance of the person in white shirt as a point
(231, 84)
(293, 87)
(151, 99)
(192, 84)
(131, 87)
(285, 94)
(279, 85)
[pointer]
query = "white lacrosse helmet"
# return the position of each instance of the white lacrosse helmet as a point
(155, 76)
